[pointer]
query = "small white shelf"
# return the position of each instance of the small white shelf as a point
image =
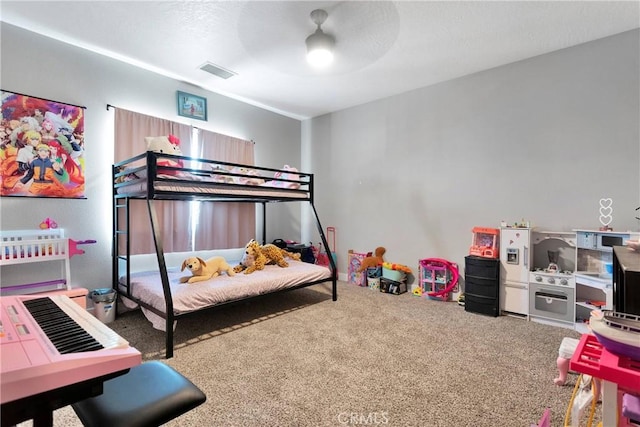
(593, 280)
(587, 305)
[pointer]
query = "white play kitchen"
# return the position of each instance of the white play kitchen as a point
(557, 278)
(594, 271)
(552, 283)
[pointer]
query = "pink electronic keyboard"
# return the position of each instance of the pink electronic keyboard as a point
(48, 342)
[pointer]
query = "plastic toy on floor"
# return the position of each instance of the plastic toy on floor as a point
(373, 260)
(545, 420)
(438, 278)
(585, 394)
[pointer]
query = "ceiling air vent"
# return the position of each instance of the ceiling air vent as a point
(217, 70)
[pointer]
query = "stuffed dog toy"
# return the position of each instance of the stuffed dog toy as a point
(204, 270)
(373, 261)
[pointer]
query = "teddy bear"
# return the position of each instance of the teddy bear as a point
(374, 260)
(169, 144)
(255, 257)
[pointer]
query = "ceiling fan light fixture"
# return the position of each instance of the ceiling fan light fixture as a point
(320, 49)
(319, 44)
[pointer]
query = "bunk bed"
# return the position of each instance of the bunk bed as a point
(153, 176)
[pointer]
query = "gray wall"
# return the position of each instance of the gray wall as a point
(542, 139)
(43, 67)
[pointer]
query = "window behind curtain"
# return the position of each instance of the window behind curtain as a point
(224, 225)
(184, 225)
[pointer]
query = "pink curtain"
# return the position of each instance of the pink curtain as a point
(174, 217)
(225, 225)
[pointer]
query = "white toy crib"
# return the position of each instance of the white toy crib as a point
(29, 246)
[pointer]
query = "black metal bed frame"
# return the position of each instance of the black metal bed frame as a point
(146, 165)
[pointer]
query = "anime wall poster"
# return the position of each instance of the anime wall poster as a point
(41, 148)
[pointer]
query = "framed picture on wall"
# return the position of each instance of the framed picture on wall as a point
(192, 106)
(42, 148)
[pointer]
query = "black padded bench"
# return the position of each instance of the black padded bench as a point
(148, 395)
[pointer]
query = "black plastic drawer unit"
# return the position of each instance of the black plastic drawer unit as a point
(482, 285)
(481, 305)
(486, 268)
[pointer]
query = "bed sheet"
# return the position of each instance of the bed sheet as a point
(203, 185)
(147, 287)
(220, 189)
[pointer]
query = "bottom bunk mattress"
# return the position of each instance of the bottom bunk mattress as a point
(190, 297)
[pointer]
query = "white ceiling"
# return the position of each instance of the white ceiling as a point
(382, 48)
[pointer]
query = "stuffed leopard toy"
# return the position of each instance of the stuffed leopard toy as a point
(255, 257)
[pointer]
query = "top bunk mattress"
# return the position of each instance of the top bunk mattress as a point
(147, 286)
(162, 176)
(169, 184)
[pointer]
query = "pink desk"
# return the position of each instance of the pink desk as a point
(593, 359)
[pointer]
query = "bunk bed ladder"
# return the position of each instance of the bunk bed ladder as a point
(119, 205)
(115, 232)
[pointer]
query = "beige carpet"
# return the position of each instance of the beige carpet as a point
(300, 359)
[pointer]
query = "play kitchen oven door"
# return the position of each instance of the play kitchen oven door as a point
(552, 302)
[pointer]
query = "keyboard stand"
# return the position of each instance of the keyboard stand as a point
(40, 407)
